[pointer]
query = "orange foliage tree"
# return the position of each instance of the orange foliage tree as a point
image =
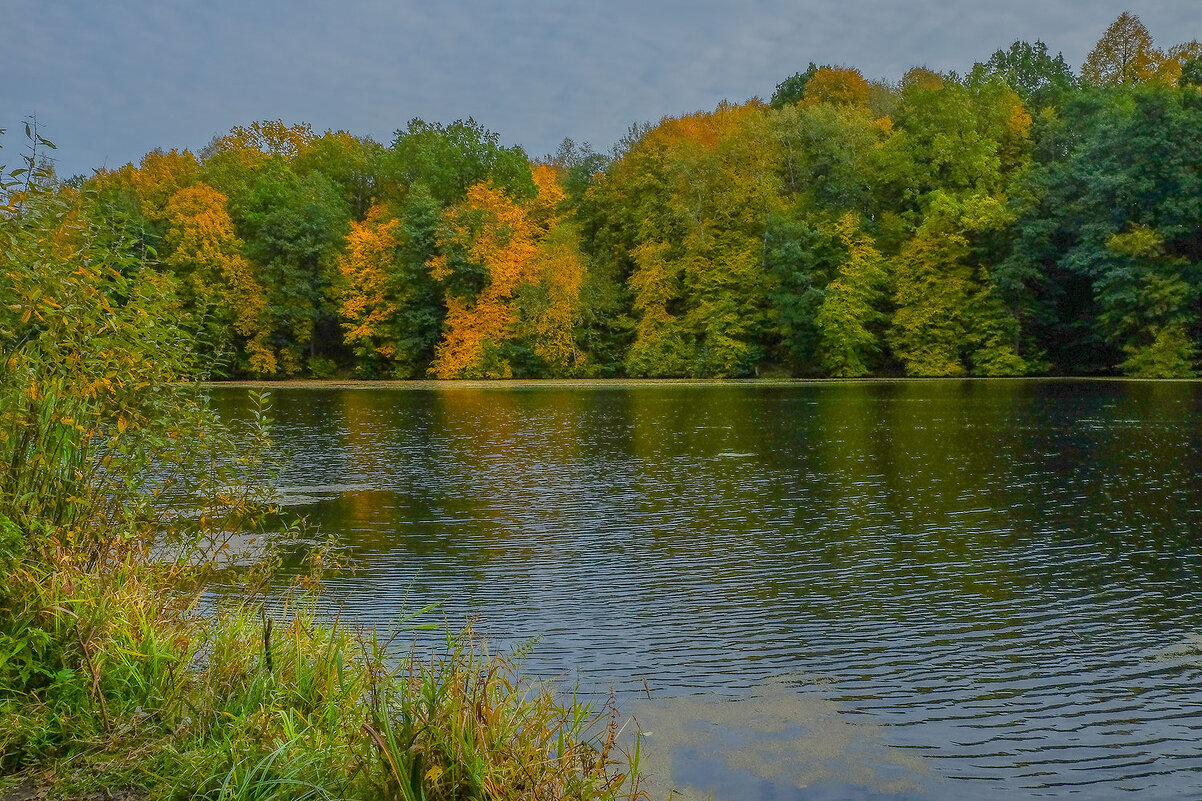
(491, 235)
(512, 272)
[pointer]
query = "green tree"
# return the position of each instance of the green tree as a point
(580, 165)
(1038, 78)
(1148, 305)
(791, 90)
(949, 319)
(802, 256)
(1191, 72)
(293, 228)
(1117, 162)
(449, 159)
(850, 309)
(350, 163)
(827, 154)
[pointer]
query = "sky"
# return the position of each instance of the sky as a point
(110, 81)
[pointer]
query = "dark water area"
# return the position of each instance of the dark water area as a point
(927, 590)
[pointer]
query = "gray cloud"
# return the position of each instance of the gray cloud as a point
(111, 81)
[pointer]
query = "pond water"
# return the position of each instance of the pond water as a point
(909, 589)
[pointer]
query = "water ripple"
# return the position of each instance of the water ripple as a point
(1002, 579)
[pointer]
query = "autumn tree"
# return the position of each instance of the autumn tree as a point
(219, 285)
(264, 139)
(1012, 220)
(699, 285)
(390, 307)
(549, 304)
(487, 249)
(159, 176)
(1124, 55)
(366, 290)
(1171, 68)
(138, 196)
(837, 85)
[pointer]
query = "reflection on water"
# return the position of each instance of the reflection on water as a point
(959, 587)
(783, 742)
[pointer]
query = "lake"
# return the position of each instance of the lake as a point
(877, 590)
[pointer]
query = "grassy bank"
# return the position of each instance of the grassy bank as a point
(120, 494)
(112, 682)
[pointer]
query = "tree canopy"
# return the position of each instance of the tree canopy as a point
(1017, 219)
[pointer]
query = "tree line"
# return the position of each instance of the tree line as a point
(1019, 219)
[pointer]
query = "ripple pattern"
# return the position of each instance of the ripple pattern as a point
(1005, 577)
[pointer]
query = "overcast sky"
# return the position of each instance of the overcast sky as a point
(112, 80)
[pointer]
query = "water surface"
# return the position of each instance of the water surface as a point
(928, 589)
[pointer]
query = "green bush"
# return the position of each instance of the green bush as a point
(321, 367)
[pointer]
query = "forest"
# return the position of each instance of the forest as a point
(1020, 219)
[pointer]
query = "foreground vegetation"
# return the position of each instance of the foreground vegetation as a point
(136, 655)
(1021, 218)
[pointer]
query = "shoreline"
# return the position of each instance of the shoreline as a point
(622, 383)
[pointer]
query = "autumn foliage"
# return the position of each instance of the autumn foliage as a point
(1016, 219)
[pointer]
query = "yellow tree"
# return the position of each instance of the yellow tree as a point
(729, 192)
(512, 273)
(550, 304)
(546, 207)
(160, 176)
(1169, 71)
(949, 317)
(267, 137)
(837, 85)
(491, 236)
(1124, 55)
(700, 290)
(152, 183)
(220, 286)
(367, 303)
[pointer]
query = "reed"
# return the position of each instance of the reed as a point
(118, 681)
